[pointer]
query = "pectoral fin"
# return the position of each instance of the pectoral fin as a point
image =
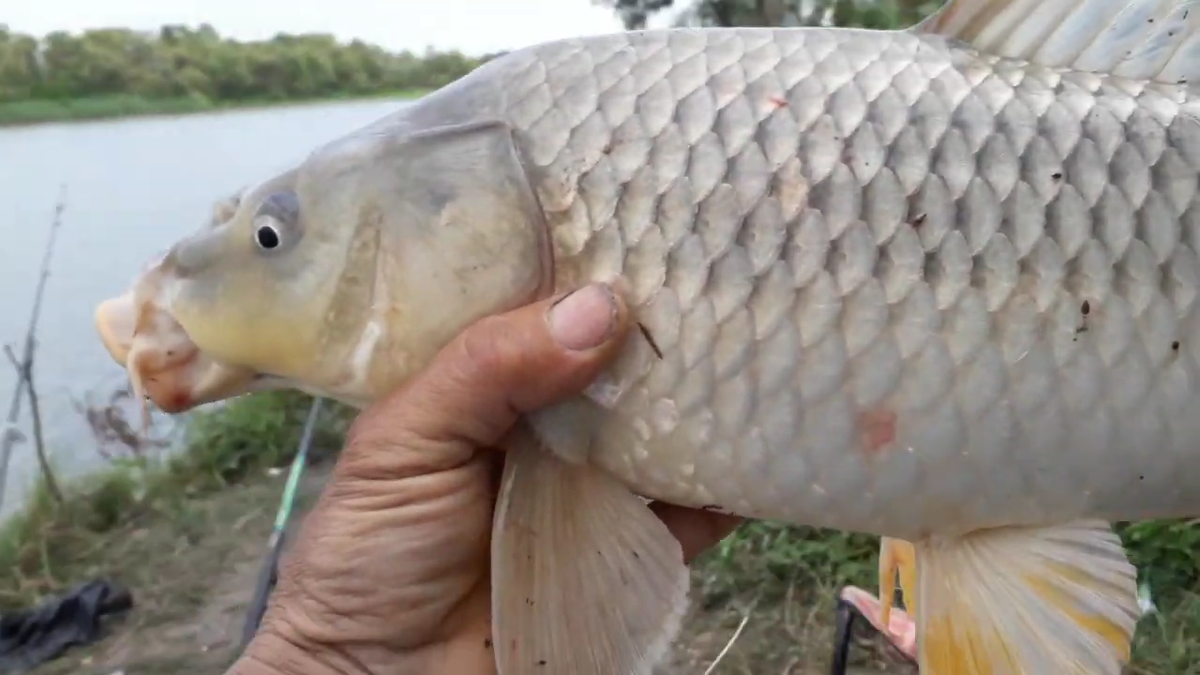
(586, 579)
(1026, 601)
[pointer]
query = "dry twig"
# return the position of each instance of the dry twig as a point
(24, 366)
(25, 371)
(729, 645)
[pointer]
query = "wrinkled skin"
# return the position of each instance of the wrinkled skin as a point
(390, 573)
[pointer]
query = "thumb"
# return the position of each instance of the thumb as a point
(505, 365)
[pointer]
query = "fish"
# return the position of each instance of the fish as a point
(936, 284)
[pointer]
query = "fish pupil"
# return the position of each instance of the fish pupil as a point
(266, 237)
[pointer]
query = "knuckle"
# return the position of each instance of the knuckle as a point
(488, 350)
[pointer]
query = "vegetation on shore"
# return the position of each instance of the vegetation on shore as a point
(50, 546)
(114, 72)
(882, 14)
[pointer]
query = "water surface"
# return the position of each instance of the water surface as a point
(133, 187)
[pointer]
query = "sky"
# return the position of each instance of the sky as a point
(473, 26)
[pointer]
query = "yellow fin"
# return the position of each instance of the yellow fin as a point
(897, 556)
(1026, 601)
(585, 578)
(1140, 39)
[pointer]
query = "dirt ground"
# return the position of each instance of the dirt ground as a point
(191, 601)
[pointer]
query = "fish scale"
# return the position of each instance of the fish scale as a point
(829, 232)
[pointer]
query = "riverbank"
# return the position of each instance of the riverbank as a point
(46, 111)
(187, 537)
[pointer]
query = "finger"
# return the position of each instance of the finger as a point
(505, 365)
(697, 530)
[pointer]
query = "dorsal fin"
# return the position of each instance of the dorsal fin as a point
(1140, 39)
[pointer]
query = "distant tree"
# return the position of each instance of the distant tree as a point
(19, 75)
(179, 60)
(862, 13)
(635, 13)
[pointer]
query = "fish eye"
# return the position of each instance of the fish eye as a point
(267, 237)
(277, 221)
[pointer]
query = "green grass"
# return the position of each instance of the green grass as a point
(49, 547)
(782, 581)
(36, 111)
(1167, 554)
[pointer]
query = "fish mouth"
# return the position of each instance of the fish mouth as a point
(165, 366)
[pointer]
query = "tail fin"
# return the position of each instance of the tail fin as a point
(1022, 600)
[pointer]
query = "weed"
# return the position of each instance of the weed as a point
(48, 547)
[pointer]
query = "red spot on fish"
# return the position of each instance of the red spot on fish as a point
(877, 428)
(778, 102)
(180, 400)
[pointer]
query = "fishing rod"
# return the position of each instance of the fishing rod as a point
(268, 573)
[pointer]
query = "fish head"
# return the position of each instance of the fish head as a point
(340, 277)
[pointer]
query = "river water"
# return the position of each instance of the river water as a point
(132, 188)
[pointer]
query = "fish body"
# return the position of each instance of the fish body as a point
(875, 264)
(937, 285)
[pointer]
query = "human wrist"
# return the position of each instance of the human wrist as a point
(271, 654)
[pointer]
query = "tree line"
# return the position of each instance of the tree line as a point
(180, 61)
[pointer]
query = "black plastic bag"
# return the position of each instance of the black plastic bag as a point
(32, 637)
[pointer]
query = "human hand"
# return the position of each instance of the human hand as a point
(390, 573)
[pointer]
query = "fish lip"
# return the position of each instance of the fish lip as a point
(107, 318)
(165, 366)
